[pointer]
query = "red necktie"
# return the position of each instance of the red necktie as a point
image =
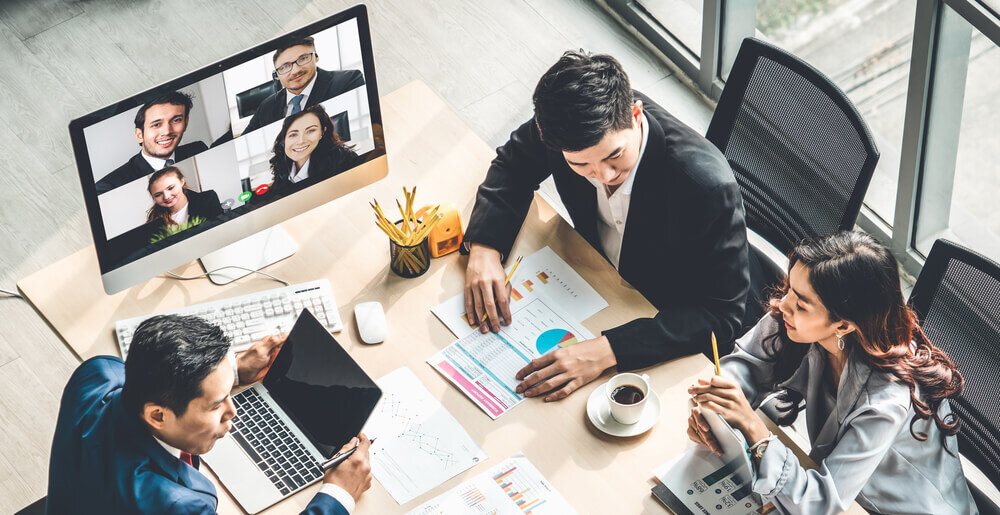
(186, 458)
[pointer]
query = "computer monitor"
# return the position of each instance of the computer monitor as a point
(182, 171)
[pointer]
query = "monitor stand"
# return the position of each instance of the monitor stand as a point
(251, 253)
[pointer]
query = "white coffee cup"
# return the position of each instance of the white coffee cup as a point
(627, 413)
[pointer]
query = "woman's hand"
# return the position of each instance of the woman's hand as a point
(699, 432)
(725, 397)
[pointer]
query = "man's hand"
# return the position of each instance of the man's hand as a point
(567, 368)
(355, 473)
(485, 291)
(253, 363)
(725, 397)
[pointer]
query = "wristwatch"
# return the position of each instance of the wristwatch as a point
(757, 450)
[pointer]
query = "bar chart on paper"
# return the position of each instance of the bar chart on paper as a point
(518, 489)
(542, 275)
(513, 487)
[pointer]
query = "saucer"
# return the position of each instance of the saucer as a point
(599, 412)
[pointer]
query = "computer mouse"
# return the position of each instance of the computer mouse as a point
(371, 322)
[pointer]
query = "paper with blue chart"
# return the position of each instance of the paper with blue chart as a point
(483, 366)
(543, 275)
(420, 444)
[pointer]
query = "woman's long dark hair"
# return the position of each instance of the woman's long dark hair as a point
(158, 212)
(857, 279)
(329, 153)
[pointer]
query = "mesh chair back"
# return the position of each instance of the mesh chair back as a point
(957, 297)
(800, 151)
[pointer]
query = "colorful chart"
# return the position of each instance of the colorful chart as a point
(527, 285)
(542, 276)
(554, 338)
(516, 295)
(518, 490)
(472, 497)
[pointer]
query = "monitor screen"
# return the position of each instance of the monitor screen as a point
(319, 385)
(227, 141)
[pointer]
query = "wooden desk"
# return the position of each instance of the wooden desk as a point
(431, 147)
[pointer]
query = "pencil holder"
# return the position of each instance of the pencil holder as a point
(409, 261)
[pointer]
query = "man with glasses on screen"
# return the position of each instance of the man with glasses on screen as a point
(159, 127)
(303, 83)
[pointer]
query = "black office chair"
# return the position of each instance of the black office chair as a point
(801, 153)
(957, 298)
(248, 101)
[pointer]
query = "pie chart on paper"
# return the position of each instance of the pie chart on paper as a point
(554, 338)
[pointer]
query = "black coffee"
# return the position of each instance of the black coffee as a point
(627, 394)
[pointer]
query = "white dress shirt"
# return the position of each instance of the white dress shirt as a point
(299, 175)
(181, 217)
(155, 162)
(305, 96)
(612, 208)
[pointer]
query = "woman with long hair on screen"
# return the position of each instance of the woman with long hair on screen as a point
(175, 205)
(840, 337)
(307, 150)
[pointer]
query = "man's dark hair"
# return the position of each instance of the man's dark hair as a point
(290, 42)
(176, 98)
(169, 357)
(580, 98)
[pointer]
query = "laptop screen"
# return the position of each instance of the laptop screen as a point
(320, 386)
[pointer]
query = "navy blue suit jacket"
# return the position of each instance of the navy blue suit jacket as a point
(104, 460)
(329, 83)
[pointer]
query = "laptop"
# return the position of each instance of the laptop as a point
(312, 401)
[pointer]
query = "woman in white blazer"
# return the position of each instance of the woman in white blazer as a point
(841, 337)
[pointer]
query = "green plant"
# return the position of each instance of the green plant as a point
(171, 230)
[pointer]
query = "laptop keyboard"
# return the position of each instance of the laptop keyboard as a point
(267, 440)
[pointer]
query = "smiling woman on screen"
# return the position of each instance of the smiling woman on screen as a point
(174, 205)
(307, 148)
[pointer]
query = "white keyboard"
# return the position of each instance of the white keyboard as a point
(248, 318)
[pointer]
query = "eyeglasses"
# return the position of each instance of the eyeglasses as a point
(303, 60)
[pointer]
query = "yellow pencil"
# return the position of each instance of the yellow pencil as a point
(715, 351)
(506, 282)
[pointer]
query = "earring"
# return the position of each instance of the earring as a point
(840, 341)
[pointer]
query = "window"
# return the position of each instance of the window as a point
(966, 212)
(922, 74)
(864, 48)
(682, 18)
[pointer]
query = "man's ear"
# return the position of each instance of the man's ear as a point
(138, 136)
(154, 415)
(637, 110)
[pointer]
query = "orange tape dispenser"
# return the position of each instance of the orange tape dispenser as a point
(446, 236)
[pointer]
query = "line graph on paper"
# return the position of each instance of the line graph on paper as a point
(394, 407)
(420, 445)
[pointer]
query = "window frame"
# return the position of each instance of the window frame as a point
(932, 117)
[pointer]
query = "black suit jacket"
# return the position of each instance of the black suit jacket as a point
(328, 85)
(204, 204)
(685, 246)
(138, 167)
